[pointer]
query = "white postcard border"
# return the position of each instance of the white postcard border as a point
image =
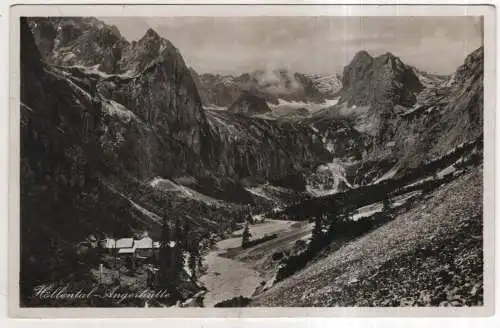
(253, 10)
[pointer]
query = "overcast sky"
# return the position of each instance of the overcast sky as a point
(310, 44)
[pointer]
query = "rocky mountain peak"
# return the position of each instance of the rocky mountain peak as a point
(139, 55)
(151, 34)
(472, 66)
(389, 59)
(386, 79)
(356, 68)
(362, 57)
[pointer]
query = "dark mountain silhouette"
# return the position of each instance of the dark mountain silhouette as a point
(249, 104)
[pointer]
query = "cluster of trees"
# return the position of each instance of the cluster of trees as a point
(175, 242)
(367, 194)
(238, 301)
(59, 188)
(257, 241)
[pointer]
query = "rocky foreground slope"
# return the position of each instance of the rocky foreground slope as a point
(429, 255)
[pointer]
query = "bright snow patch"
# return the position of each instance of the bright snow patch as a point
(389, 174)
(448, 170)
(367, 211)
(182, 191)
(214, 107)
(326, 83)
(327, 179)
(311, 106)
(117, 109)
(259, 191)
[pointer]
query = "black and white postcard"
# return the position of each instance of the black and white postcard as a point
(225, 160)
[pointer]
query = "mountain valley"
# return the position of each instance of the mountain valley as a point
(344, 180)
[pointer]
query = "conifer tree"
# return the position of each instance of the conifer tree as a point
(386, 204)
(165, 257)
(186, 231)
(245, 237)
(317, 233)
(193, 257)
(178, 234)
(178, 256)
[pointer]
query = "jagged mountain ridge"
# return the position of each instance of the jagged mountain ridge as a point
(439, 137)
(378, 98)
(88, 42)
(400, 122)
(163, 95)
(272, 85)
(441, 119)
(152, 64)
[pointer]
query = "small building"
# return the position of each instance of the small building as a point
(132, 250)
(108, 244)
(127, 251)
(144, 247)
(124, 243)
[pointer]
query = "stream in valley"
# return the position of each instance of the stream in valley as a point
(227, 278)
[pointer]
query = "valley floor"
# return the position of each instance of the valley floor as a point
(430, 255)
(226, 278)
(230, 274)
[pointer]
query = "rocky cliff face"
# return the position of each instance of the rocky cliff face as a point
(216, 90)
(64, 199)
(151, 81)
(156, 125)
(400, 122)
(381, 80)
(261, 150)
(445, 116)
(77, 41)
